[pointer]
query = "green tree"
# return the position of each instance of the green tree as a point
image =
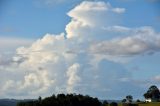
(113, 104)
(63, 100)
(124, 100)
(152, 93)
(138, 100)
(129, 98)
(105, 103)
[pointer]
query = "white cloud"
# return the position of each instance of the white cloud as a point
(10, 44)
(73, 77)
(92, 6)
(119, 10)
(138, 41)
(48, 3)
(80, 62)
(91, 16)
(48, 68)
(156, 79)
(35, 83)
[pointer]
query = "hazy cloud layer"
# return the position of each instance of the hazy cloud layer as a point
(48, 3)
(137, 41)
(8, 43)
(84, 60)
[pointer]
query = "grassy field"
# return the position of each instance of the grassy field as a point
(146, 104)
(150, 104)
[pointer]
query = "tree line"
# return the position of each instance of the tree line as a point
(63, 100)
(152, 93)
(67, 100)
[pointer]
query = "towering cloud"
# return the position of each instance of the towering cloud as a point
(73, 78)
(82, 61)
(90, 17)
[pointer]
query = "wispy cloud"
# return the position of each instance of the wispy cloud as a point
(11, 43)
(154, 1)
(48, 3)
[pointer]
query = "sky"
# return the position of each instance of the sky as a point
(102, 48)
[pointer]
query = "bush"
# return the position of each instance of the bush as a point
(113, 104)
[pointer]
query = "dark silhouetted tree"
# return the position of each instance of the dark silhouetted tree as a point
(138, 100)
(105, 103)
(63, 100)
(113, 104)
(129, 98)
(152, 93)
(124, 100)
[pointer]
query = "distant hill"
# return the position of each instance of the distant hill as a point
(13, 102)
(117, 101)
(110, 101)
(10, 102)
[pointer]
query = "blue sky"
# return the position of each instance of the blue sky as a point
(102, 45)
(30, 18)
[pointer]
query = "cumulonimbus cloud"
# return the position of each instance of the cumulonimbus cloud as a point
(80, 61)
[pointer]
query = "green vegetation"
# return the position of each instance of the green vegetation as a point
(150, 104)
(63, 100)
(141, 104)
(153, 94)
